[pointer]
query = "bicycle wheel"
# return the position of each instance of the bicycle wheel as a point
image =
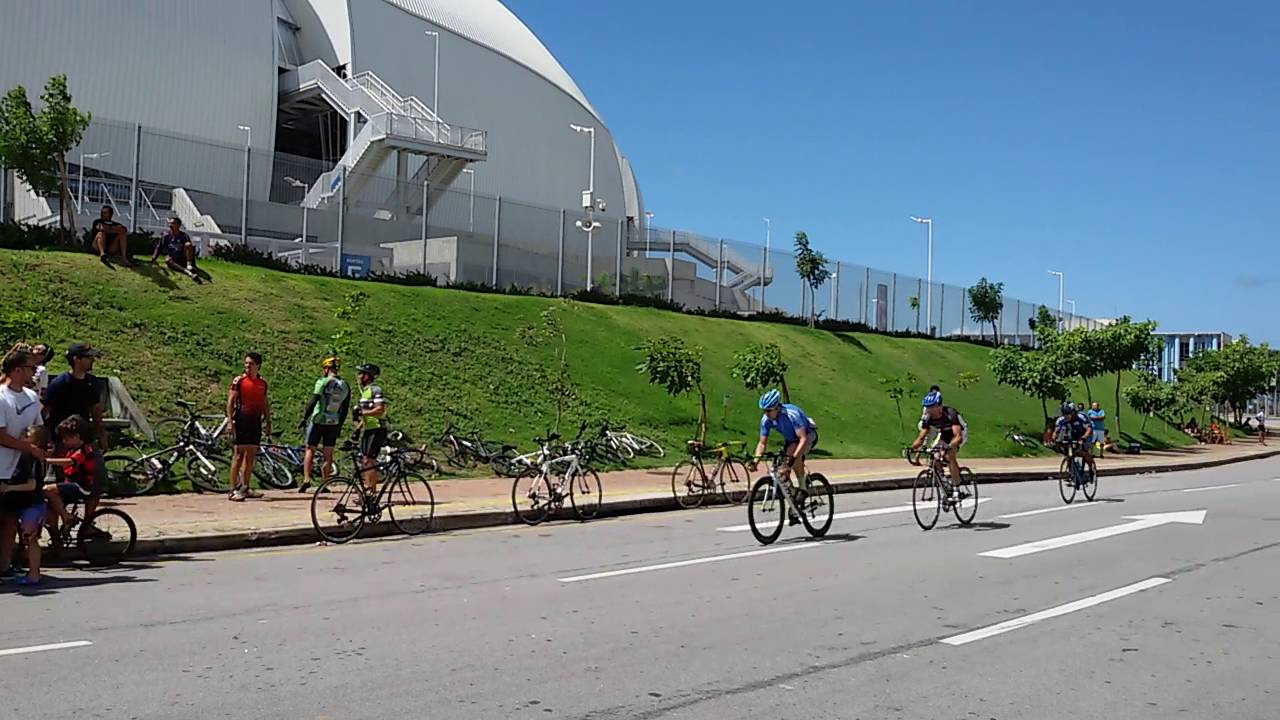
(687, 484)
(209, 472)
(967, 508)
(735, 481)
(1067, 481)
(766, 511)
(502, 463)
(531, 496)
(926, 500)
(645, 446)
(168, 430)
(817, 507)
(411, 504)
(106, 537)
(585, 494)
(272, 473)
(337, 510)
(1090, 485)
(129, 476)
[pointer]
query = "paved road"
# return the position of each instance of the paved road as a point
(879, 621)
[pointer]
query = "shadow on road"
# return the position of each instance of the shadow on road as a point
(53, 584)
(831, 538)
(979, 526)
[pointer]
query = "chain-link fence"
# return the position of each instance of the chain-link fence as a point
(307, 210)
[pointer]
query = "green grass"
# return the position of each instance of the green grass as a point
(449, 355)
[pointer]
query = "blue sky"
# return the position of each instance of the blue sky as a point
(1134, 145)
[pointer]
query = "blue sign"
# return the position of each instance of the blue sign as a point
(356, 266)
(335, 183)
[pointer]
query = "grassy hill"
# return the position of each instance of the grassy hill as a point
(449, 355)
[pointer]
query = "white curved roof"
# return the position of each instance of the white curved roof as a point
(490, 23)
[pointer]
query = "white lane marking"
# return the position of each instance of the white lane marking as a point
(42, 648)
(1070, 607)
(850, 514)
(697, 561)
(1140, 522)
(1211, 487)
(1055, 508)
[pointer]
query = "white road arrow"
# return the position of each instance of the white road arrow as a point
(1140, 522)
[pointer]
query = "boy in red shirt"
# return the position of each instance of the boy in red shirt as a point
(83, 472)
(248, 414)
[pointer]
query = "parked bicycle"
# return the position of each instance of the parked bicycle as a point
(563, 473)
(207, 430)
(341, 507)
(1025, 441)
(1076, 474)
(465, 451)
(691, 484)
(775, 501)
(627, 445)
(933, 492)
(128, 476)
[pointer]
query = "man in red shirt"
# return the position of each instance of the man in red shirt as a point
(248, 413)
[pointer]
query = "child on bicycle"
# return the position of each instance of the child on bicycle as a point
(83, 473)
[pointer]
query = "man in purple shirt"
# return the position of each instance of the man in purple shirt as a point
(179, 253)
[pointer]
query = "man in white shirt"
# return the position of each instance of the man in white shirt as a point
(19, 410)
(1261, 417)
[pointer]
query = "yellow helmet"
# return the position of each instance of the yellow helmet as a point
(329, 362)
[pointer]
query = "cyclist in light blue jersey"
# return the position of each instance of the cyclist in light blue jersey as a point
(799, 433)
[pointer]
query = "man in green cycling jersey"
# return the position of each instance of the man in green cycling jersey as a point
(370, 414)
(322, 420)
(798, 431)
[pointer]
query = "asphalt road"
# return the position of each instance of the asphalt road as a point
(879, 621)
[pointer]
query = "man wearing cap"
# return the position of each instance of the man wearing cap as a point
(77, 392)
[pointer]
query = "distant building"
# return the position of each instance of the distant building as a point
(1176, 347)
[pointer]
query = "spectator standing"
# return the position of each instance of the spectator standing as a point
(1261, 417)
(179, 252)
(110, 237)
(248, 413)
(78, 392)
(1099, 420)
(323, 418)
(20, 502)
(41, 381)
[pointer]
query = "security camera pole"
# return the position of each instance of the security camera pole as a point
(588, 199)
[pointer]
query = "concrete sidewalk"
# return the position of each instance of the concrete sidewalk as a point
(169, 524)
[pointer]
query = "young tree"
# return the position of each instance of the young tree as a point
(896, 388)
(967, 379)
(677, 369)
(913, 302)
(760, 367)
(550, 330)
(1234, 375)
(35, 145)
(1121, 347)
(1035, 372)
(1150, 396)
(811, 266)
(986, 300)
(343, 343)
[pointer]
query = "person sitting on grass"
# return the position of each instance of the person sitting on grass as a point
(83, 473)
(110, 237)
(179, 252)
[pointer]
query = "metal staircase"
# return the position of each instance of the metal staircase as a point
(746, 271)
(387, 123)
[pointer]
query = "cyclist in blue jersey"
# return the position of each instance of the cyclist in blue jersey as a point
(1071, 427)
(798, 431)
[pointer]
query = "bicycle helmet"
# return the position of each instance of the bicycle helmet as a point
(771, 399)
(329, 362)
(932, 399)
(1068, 408)
(369, 368)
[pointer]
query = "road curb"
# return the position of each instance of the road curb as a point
(306, 535)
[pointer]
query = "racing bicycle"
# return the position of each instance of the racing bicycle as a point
(774, 499)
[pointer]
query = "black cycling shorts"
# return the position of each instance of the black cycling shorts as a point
(326, 435)
(248, 429)
(371, 442)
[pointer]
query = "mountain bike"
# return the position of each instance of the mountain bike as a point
(1077, 474)
(128, 476)
(104, 538)
(341, 507)
(208, 430)
(691, 484)
(774, 500)
(562, 473)
(933, 492)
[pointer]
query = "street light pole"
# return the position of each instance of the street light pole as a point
(928, 293)
(764, 266)
(244, 195)
(1060, 297)
(302, 186)
(80, 183)
(435, 88)
(471, 213)
(648, 233)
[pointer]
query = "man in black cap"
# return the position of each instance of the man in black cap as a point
(77, 392)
